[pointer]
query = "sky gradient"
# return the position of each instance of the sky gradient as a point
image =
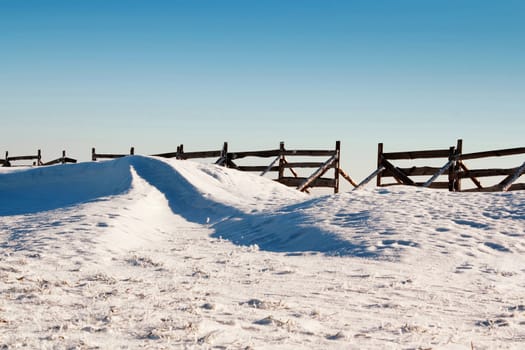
(153, 74)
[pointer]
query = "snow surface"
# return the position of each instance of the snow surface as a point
(141, 252)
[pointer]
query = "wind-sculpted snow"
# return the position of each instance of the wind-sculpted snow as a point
(40, 189)
(50, 188)
(249, 210)
(143, 252)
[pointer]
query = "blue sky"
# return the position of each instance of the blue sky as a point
(153, 74)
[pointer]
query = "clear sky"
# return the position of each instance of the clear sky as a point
(153, 74)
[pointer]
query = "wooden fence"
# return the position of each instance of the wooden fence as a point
(96, 156)
(511, 174)
(454, 168)
(279, 164)
(313, 173)
(37, 159)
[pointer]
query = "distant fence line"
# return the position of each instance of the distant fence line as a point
(454, 169)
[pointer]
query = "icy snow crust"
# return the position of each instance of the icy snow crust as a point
(142, 252)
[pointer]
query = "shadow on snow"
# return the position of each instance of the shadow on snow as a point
(289, 230)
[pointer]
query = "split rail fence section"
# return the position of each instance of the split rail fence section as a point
(454, 168)
(37, 159)
(280, 164)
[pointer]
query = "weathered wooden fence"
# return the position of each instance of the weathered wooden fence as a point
(37, 159)
(306, 174)
(10, 159)
(454, 168)
(511, 174)
(96, 156)
(62, 160)
(279, 164)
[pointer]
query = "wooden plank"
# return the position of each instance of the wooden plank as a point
(347, 177)
(298, 181)
(260, 154)
(517, 187)
(271, 167)
(379, 164)
(414, 171)
(304, 165)
(257, 168)
(440, 153)
(223, 160)
(22, 158)
(69, 160)
(509, 180)
(202, 154)
(282, 161)
(318, 173)
(486, 172)
(310, 153)
(60, 161)
(369, 178)
(474, 179)
(166, 155)
(439, 173)
(398, 174)
(109, 156)
(495, 153)
(453, 179)
(337, 165)
(435, 185)
(294, 173)
(53, 162)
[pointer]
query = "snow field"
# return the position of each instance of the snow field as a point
(173, 254)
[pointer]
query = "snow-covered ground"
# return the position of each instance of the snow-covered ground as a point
(147, 253)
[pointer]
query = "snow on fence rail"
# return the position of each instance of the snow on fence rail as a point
(454, 167)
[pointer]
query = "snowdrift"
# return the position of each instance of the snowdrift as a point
(143, 252)
(251, 210)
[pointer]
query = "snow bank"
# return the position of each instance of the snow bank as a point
(150, 253)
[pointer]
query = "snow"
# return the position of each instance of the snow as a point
(142, 252)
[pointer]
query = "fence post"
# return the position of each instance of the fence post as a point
(132, 151)
(337, 165)
(39, 158)
(451, 172)
(379, 163)
(457, 179)
(224, 154)
(281, 161)
(93, 155)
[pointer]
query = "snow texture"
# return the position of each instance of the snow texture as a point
(142, 252)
